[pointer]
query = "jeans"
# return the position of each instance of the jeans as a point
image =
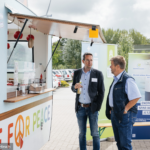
(123, 129)
(82, 115)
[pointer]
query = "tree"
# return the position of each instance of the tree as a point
(63, 41)
(138, 37)
(72, 54)
(125, 46)
(108, 34)
(112, 36)
(58, 62)
(56, 55)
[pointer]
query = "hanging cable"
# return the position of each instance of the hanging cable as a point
(48, 7)
(52, 54)
(17, 40)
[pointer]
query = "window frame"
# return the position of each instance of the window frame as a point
(32, 51)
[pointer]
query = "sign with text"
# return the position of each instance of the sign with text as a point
(27, 128)
(139, 69)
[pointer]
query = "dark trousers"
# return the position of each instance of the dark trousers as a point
(123, 129)
(82, 115)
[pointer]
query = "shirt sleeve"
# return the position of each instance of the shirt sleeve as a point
(132, 89)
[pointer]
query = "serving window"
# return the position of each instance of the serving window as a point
(22, 53)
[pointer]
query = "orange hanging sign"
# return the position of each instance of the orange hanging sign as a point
(93, 33)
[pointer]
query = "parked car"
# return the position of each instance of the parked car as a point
(67, 75)
(71, 72)
(57, 80)
(58, 74)
(61, 72)
(55, 83)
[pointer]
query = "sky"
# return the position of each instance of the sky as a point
(114, 14)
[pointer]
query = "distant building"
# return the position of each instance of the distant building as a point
(141, 48)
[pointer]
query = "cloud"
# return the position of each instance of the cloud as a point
(62, 6)
(142, 5)
(128, 15)
(38, 6)
(76, 7)
(115, 14)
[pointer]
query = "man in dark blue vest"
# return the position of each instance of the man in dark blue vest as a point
(121, 105)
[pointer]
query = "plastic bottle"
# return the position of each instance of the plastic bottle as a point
(41, 78)
(79, 89)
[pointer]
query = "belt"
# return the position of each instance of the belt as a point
(84, 105)
(112, 108)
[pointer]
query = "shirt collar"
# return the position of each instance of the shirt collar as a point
(86, 72)
(118, 76)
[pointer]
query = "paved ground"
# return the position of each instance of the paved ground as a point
(64, 132)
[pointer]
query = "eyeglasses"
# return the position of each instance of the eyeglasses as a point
(88, 60)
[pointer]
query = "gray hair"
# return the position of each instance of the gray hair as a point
(119, 60)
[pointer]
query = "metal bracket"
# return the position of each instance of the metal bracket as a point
(75, 29)
(93, 27)
(91, 43)
(101, 131)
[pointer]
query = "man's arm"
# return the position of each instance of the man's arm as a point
(131, 104)
(101, 90)
(133, 93)
(73, 83)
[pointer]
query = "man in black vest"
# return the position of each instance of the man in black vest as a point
(89, 102)
(121, 105)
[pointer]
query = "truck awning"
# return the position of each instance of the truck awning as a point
(59, 28)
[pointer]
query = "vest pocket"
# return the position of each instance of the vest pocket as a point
(119, 88)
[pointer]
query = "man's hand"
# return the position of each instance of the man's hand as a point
(77, 86)
(110, 111)
(131, 104)
(125, 112)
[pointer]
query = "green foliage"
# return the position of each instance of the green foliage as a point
(112, 36)
(138, 38)
(125, 46)
(72, 54)
(58, 55)
(61, 67)
(64, 84)
(68, 53)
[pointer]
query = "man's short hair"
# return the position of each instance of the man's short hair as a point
(119, 60)
(86, 54)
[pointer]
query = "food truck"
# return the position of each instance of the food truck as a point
(26, 93)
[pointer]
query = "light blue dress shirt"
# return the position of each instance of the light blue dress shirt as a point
(84, 97)
(131, 89)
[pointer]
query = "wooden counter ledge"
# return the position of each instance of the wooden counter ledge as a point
(20, 98)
